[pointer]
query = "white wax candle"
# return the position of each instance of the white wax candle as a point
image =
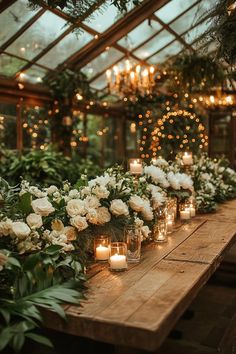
(185, 214)
(161, 237)
(169, 226)
(118, 261)
(187, 159)
(102, 253)
(136, 168)
(192, 211)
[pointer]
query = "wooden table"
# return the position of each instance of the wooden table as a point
(139, 307)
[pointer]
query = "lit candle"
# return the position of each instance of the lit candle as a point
(169, 225)
(102, 253)
(185, 214)
(118, 261)
(187, 158)
(192, 210)
(136, 167)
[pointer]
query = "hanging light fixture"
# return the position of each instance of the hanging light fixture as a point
(132, 80)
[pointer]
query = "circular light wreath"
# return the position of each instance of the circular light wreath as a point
(178, 131)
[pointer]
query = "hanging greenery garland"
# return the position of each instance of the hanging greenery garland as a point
(223, 29)
(81, 8)
(178, 131)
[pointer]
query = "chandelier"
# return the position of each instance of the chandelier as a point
(131, 80)
(217, 100)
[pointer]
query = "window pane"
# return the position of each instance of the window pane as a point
(140, 34)
(66, 47)
(100, 63)
(174, 8)
(9, 66)
(103, 20)
(38, 36)
(13, 18)
(33, 75)
(7, 126)
(100, 83)
(159, 41)
(196, 32)
(166, 53)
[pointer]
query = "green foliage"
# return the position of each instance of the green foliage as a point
(43, 167)
(37, 281)
(64, 85)
(78, 8)
(222, 17)
(196, 72)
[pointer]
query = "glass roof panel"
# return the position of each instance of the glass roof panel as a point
(9, 66)
(101, 62)
(33, 75)
(38, 36)
(102, 20)
(172, 49)
(65, 48)
(173, 9)
(196, 32)
(140, 34)
(159, 41)
(13, 18)
(187, 20)
(100, 83)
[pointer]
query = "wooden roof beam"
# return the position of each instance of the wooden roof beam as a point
(4, 4)
(115, 32)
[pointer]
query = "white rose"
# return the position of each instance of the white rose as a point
(145, 231)
(74, 193)
(5, 227)
(118, 207)
(91, 202)
(42, 206)
(101, 192)
(75, 207)
(3, 260)
(92, 216)
(20, 229)
(147, 211)
(136, 203)
(52, 189)
(34, 221)
(79, 222)
(103, 215)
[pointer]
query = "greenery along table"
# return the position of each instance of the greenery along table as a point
(138, 308)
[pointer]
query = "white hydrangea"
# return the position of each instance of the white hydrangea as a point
(136, 203)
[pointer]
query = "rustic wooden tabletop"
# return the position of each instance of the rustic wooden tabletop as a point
(139, 307)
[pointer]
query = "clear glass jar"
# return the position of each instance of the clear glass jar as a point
(102, 248)
(160, 231)
(118, 256)
(133, 238)
(192, 206)
(184, 211)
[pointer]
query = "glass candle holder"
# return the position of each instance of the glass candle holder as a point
(135, 166)
(192, 206)
(102, 248)
(160, 231)
(170, 220)
(187, 158)
(118, 256)
(133, 238)
(184, 211)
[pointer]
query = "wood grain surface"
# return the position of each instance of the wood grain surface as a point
(139, 307)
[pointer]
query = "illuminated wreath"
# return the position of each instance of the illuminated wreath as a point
(178, 131)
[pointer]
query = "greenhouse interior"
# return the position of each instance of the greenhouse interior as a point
(118, 176)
